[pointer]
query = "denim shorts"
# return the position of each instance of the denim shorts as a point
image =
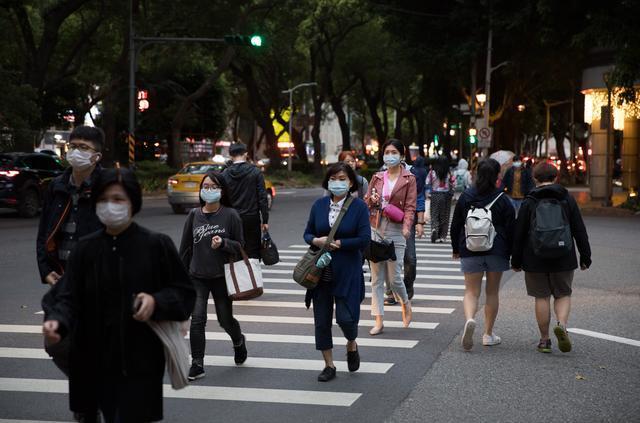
(488, 263)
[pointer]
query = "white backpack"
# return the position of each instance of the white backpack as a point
(478, 228)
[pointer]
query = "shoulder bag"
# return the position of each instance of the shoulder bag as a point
(306, 273)
(243, 278)
(381, 249)
(268, 250)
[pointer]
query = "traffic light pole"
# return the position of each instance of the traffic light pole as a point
(290, 92)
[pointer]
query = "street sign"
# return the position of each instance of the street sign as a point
(485, 136)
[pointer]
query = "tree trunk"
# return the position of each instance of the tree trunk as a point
(336, 105)
(372, 104)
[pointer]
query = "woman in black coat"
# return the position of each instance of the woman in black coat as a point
(117, 279)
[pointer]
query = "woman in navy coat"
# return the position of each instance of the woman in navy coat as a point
(342, 281)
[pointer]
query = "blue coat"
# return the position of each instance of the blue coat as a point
(354, 234)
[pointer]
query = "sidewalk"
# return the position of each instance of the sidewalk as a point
(512, 382)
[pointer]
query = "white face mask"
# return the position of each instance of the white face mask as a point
(80, 160)
(113, 215)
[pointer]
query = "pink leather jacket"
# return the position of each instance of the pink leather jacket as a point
(404, 196)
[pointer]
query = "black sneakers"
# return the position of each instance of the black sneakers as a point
(390, 300)
(240, 352)
(353, 360)
(327, 374)
(196, 372)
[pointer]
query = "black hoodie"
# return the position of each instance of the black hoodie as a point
(523, 256)
(247, 190)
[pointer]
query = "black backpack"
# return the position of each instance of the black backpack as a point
(549, 229)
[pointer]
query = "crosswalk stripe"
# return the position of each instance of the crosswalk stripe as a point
(422, 268)
(415, 285)
(419, 245)
(253, 337)
(300, 293)
(227, 361)
(367, 307)
(30, 421)
(428, 258)
(256, 318)
(220, 393)
(300, 252)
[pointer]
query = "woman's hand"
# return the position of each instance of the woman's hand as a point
(216, 242)
(334, 245)
(406, 233)
(319, 242)
(50, 332)
(419, 230)
(144, 306)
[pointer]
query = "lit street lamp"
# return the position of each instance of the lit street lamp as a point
(290, 92)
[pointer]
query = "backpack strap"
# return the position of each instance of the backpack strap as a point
(488, 207)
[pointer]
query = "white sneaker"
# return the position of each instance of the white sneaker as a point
(491, 339)
(467, 334)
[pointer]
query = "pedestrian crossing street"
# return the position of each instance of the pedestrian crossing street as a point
(283, 363)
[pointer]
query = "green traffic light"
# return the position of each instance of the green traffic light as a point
(256, 41)
(472, 139)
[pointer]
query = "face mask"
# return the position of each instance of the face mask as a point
(517, 164)
(391, 160)
(80, 160)
(338, 188)
(211, 195)
(112, 215)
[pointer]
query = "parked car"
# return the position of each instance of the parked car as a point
(183, 187)
(23, 179)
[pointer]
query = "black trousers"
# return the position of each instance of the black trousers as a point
(224, 312)
(252, 235)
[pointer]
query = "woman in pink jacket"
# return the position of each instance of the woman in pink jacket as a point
(394, 190)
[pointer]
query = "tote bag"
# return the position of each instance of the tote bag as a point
(243, 278)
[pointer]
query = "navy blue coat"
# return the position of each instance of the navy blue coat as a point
(354, 234)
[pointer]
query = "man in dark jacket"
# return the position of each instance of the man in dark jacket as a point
(67, 215)
(517, 182)
(547, 276)
(248, 197)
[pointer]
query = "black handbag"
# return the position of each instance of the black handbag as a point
(380, 250)
(268, 251)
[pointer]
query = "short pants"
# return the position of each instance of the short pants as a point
(485, 263)
(544, 285)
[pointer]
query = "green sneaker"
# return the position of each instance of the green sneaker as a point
(544, 346)
(564, 343)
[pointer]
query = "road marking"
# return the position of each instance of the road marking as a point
(253, 337)
(425, 261)
(285, 192)
(300, 292)
(300, 252)
(227, 361)
(256, 318)
(605, 336)
(39, 312)
(220, 393)
(456, 268)
(299, 304)
(415, 285)
(29, 421)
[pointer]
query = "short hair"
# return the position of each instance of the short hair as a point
(217, 177)
(337, 168)
(121, 176)
(346, 153)
(93, 134)
(545, 172)
(487, 176)
(394, 142)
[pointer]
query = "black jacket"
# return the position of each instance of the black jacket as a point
(55, 209)
(526, 181)
(107, 346)
(502, 216)
(246, 186)
(523, 256)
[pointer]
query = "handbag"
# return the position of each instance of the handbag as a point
(269, 251)
(306, 273)
(394, 213)
(381, 250)
(243, 278)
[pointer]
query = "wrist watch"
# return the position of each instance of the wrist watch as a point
(420, 223)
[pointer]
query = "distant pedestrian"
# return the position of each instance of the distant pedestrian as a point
(547, 225)
(488, 256)
(117, 279)
(248, 196)
(440, 183)
(349, 157)
(67, 215)
(212, 235)
(392, 203)
(342, 281)
(517, 182)
(462, 178)
(419, 170)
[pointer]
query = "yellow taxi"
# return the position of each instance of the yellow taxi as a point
(183, 188)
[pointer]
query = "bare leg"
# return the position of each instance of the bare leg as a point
(492, 290)
(562, 307)
(543, 316)
(328, 358)
(472, 286)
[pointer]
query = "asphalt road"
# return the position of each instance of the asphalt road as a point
(278, 382)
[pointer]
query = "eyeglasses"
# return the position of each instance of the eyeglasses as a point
(81, 147)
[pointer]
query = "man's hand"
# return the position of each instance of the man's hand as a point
(419, 230)
(50, 332)
(455, 256)
(319, 242)
(216, 242)
(146, 304)
(583, 267)
(52, 278)
(265, 227)
(516, 269)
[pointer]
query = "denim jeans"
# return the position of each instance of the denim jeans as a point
(323, 304)
(516, 203)
(224, 311)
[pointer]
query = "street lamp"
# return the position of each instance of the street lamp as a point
(481, 99)
(290, 92)
(521, 107)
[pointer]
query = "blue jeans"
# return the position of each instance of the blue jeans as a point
(323, 302)
(516, 203)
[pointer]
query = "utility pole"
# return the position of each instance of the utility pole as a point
(609, 162)
(548, 106)
(290, 92)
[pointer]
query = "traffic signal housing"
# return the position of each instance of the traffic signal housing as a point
(244, 40)
(473, 138)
